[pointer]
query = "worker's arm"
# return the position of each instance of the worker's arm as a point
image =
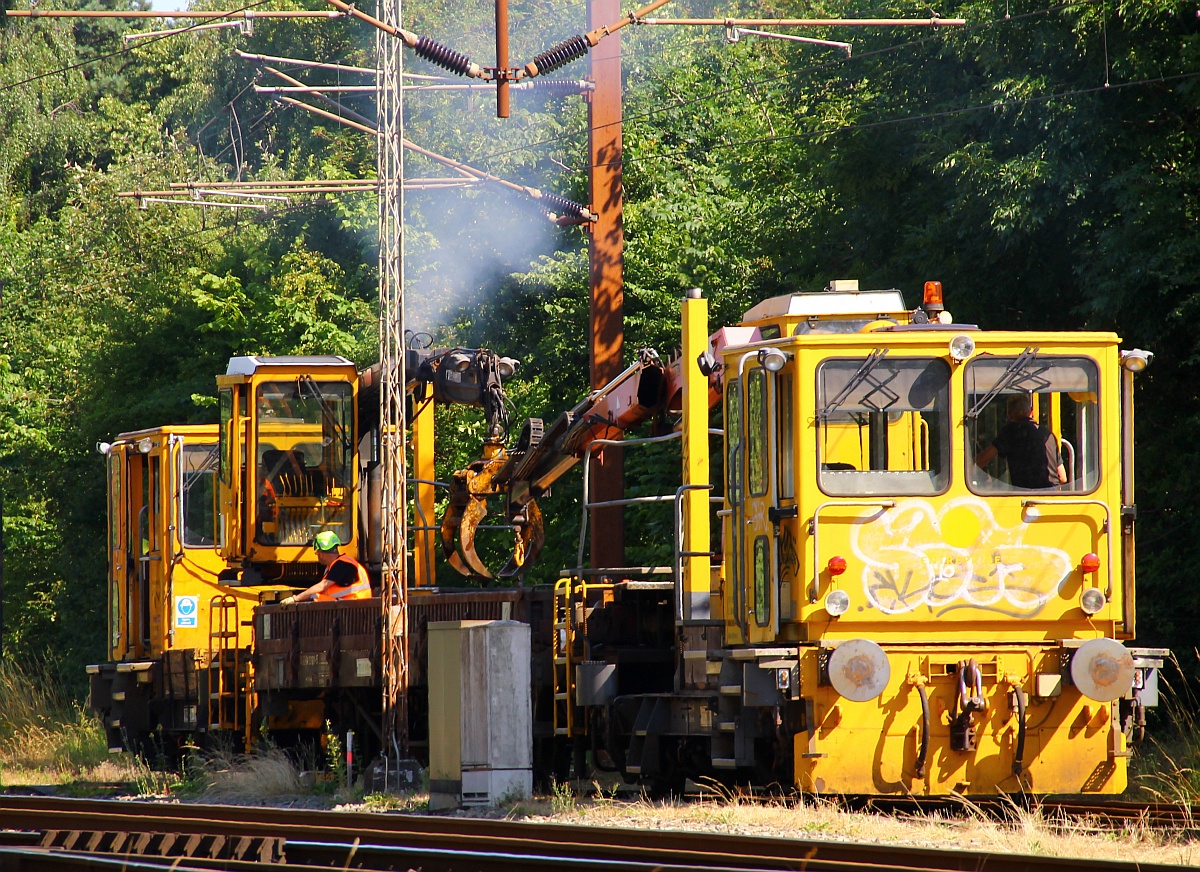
(309, 594)
(1062, 474)
(986, 456)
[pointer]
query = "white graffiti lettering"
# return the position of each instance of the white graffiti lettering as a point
(909, 563)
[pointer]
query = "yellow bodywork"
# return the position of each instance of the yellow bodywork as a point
(871, 747)
(163, 562)
(939, 562)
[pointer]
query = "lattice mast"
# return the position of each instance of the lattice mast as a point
(390, 168)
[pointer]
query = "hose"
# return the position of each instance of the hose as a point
(923, 751)
(561, 55)
(1019, 757)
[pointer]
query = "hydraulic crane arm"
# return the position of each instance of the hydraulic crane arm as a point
(541, 456)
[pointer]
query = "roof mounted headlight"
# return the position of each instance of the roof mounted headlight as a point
(772, 359)
(962, 346)
(1135, 360)
(508, 366)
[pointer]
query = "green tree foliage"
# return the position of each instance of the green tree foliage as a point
(115, 318)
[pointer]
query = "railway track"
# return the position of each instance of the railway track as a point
(39, 834)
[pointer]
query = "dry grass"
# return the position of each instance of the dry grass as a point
(1024, 831)
(225, 777)
(46, 738)
(1168, 767)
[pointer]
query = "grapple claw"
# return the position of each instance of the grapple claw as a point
(531, 536)
(476, 511)
(469, 490)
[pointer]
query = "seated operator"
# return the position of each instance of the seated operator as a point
(1031, 451)
(344, 578)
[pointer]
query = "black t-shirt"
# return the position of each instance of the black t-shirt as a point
(341, 573)
(1031, 453)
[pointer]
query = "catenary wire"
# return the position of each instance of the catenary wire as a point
(7, 86)
(742, 86)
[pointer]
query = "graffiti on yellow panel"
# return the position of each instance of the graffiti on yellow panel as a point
(957, 558)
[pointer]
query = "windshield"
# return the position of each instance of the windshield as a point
(1039, 429)
(884, 425)
(304, 455)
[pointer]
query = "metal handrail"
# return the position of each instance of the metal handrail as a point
(813, 531)
(1107, 528)
(677, 563)
(587, 464)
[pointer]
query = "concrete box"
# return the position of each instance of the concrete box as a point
(480, 715)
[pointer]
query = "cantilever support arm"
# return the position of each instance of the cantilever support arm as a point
(565, 206)
(432, 51)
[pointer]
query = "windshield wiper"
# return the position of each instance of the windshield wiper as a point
(329, 418)
(1016, 372)
(192, 476)
(858, 378)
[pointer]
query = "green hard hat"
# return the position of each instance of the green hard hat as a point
(327, 540)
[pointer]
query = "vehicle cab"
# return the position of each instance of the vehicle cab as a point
(867, 524)
(287, 466)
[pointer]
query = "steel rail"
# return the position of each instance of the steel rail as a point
(304, 831)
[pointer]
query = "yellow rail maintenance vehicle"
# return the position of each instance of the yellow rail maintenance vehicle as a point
(173, 628)
(926, 574)
(212, 525)
(194, 520)
(920, 580)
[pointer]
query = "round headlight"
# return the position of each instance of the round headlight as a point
(772, 359)
(1136, 360)
(1092, 600)
(837, 602)
(962, 346)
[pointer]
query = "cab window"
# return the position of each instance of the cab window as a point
(883, 425)
(199, 495)
(305, 450)
(756, 431)
(114, 501)
(733, 442)
(226, 439)
(1032, 424)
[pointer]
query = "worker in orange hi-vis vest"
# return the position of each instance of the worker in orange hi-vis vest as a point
(344, 579)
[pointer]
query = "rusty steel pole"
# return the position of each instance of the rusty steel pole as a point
(502, 96)
(606, 336)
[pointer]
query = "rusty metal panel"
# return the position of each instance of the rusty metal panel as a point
(322, 645)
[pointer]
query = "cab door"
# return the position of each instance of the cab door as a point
(118, 554)
(758, 546)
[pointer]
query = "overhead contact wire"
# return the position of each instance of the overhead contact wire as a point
(123, 50)
(743, 86)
